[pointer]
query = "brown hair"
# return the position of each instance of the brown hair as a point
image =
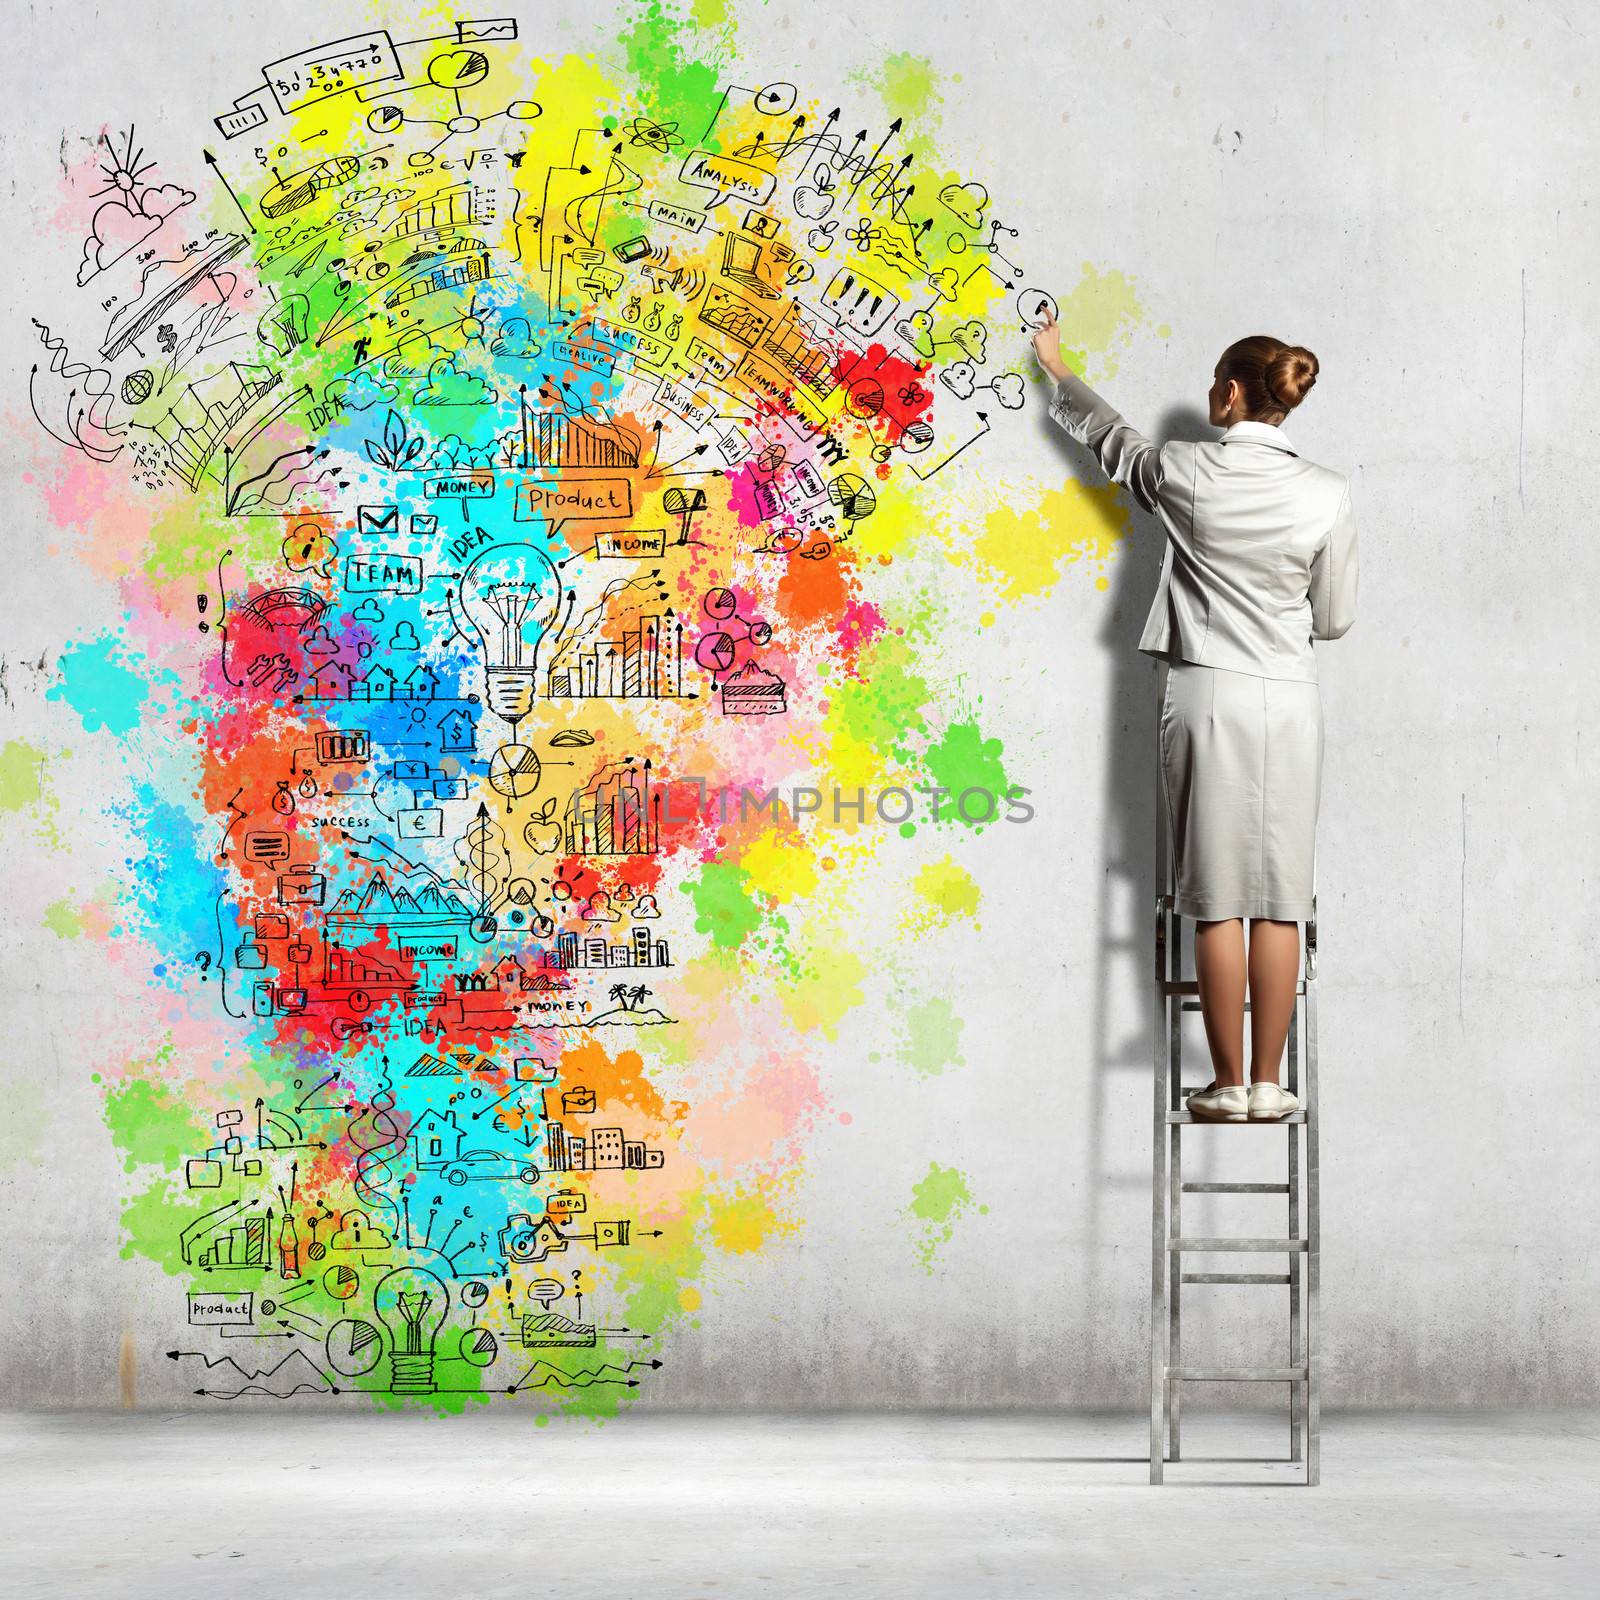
(1274, 376)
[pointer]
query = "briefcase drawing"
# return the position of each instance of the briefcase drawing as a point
(300, 886)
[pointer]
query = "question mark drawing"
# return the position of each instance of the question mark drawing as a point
(204, 960)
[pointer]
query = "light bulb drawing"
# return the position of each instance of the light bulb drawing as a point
(511, 598)
(411, 1303)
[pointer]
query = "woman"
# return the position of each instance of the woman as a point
(1260, 560)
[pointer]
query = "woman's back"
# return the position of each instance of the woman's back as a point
(1252, 526)
(1261, 543)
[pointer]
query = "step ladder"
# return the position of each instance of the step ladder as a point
(1172, 1249)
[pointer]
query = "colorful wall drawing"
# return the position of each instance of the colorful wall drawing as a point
(546, 496)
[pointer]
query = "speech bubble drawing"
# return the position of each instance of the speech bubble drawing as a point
(727, 176)
(543, 499)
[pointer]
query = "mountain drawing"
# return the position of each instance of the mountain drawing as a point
(378, 898)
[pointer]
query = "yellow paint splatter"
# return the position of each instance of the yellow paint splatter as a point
(743, 1221)
(780, 864)
(821, 996)
(945, 892)
(1023, 552)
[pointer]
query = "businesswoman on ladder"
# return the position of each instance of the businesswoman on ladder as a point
(1260, 560)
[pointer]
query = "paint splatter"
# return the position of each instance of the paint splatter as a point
(526, 498)
(939, 1200)
(932, 1043)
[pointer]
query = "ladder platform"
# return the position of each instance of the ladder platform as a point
(1254, 1246)
(1186, 1117)
(1238, 1374)
(1236, 1188)
(1236, 1277)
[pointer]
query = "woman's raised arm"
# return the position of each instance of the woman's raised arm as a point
(1126, 455)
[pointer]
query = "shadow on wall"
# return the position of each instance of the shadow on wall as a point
(1115, 1364)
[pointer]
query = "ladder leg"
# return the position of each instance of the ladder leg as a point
(1296, 1390)
(1313, 1216)
(1175, 1294)
(1160, 1258)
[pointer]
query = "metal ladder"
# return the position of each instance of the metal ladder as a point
(1176, 994)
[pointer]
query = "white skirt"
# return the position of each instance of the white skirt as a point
(1241, 762)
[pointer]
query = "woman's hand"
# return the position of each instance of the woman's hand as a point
(1047, 347)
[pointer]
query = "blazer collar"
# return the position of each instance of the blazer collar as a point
(1261, 433)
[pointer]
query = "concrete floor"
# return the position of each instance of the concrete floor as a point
(310, 1505)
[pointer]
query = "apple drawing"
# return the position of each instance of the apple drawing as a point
(543, 834)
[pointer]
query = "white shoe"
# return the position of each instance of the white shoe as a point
(1212, 1104)
(1269, 1102)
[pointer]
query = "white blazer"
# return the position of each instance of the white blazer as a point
(1261, 545)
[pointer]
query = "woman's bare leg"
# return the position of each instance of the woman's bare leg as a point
(1219, 966)
(1274, 965)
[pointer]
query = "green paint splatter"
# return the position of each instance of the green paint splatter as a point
(25, 787)
(674, 73)
(151, 1124)
(20, 784)
(824, 992)
(152, 1127)
(723, 905)
(933, 1037)
(938, 1203)
(963, 759)
(886, 703)
(908, 86)
(22, 1128)
(1097, 318)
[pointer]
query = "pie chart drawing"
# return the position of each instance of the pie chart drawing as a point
(514, 771)
(479, 1346)
(354, 1347)
(341, 1282)
(715, 652)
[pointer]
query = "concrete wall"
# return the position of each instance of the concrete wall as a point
(1404, 189)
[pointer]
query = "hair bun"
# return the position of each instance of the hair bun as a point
(1290, 374)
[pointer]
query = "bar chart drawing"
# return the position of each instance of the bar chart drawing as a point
(617, 815)
(645, 664)
(452, 208)
(471, 269)
(237, 1238)
(552, 440)
(810, 364)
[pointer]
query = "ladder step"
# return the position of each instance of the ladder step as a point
(1176, 986)
(1239, 1374)
(1236, 1188)
(1259, 1246)
(1260, 1122)
(1234, 1277)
